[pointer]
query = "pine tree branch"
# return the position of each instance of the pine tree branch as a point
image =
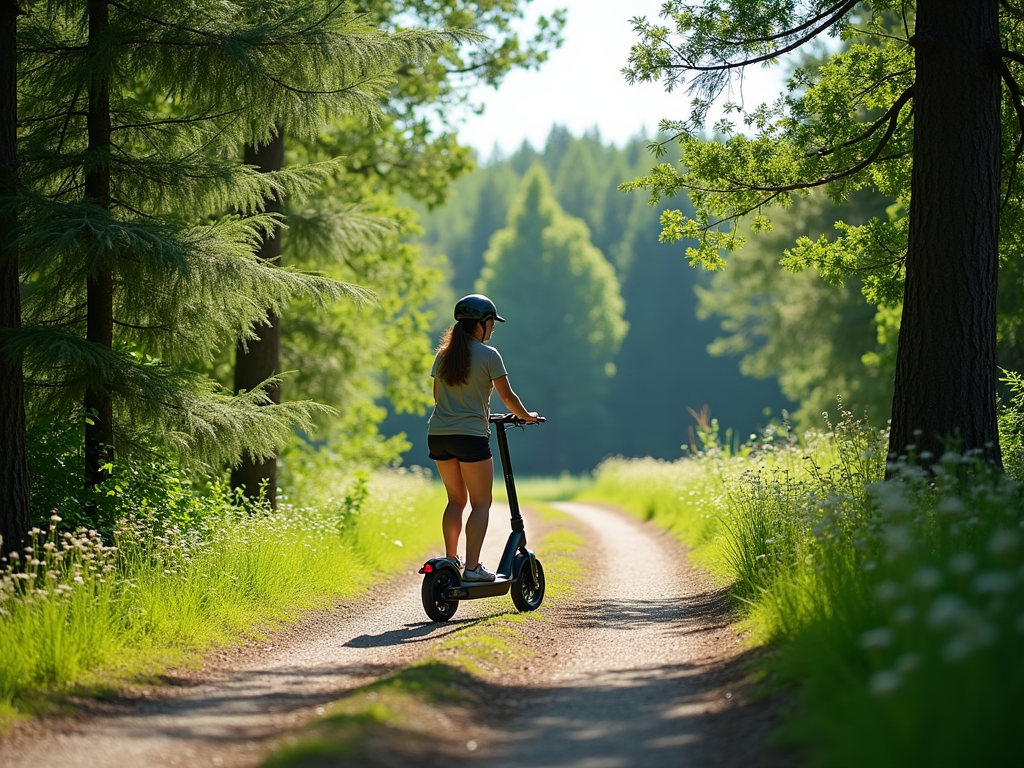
(776, 191)
(64, 191)
(47, 118)
(131, 209)
(331, 92)
(786, 33)
(329, 15)
(869, 33)
(728, 65)
(889, 115)
(200, 150)
(1012, 55)
(217, 36)
(472, 68)
(52, 49)
(175, 121)
(875, 85)
(70, 315)
(161, 23)
(159, 327)
(737, 215)
(875, 155)
(64, 128)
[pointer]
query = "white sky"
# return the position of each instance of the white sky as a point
(581, 84)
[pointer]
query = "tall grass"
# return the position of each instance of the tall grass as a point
(896, 606)
(77, 610)
(564, 487)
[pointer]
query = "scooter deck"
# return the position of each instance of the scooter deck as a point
(471, 590)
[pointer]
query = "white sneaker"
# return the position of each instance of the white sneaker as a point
(478, 574)
(456, 561)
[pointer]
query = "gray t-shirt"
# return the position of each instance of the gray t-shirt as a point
(463, 410)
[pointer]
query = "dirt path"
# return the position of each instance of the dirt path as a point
(639, 669)
(644, 669)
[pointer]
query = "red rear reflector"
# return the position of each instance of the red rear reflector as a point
(427, 568)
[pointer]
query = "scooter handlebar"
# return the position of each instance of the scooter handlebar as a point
(510, 418)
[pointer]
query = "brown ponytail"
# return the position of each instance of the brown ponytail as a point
(453, 353)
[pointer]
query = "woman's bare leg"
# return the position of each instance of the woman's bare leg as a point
(451, 522)
(478, 477)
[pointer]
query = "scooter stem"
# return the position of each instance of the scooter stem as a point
(510, 483)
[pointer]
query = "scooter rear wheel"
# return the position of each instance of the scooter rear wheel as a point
(434, 585)
(527, 596)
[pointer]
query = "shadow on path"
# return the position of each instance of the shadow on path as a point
(416, 632)
(684, 614)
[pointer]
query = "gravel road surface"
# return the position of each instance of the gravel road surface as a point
(647, 668)
(639, 668)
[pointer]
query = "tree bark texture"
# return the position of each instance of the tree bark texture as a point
(15, 517)
(100, 283)
(946, 359)
(257, 360)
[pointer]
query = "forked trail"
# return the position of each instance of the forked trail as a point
(640, 668)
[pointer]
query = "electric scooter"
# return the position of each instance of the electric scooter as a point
(519, 571)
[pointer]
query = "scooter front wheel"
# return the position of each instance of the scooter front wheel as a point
(526, 594)
(432, 592)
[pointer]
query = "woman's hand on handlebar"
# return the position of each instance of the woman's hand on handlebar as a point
(532, 417)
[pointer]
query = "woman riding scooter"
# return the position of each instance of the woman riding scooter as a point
(465, 370)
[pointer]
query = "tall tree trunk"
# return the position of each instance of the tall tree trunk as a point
(100, 283)
(257, 360)
(946, 360)
(15, 519)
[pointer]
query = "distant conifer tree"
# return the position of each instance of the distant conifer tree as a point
(565, 324)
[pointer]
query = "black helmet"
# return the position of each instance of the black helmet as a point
(476, 306)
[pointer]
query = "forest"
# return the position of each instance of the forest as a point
(638, 293)
(781, 345)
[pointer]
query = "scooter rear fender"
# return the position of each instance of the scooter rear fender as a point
(439, 563)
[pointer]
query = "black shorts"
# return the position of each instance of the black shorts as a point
(467, 448)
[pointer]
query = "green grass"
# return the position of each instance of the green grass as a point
(391, 713)
(85, 615)
(896, 609)
(562, 488)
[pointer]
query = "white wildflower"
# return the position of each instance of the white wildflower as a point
(993, 582)
(887, 591)
(946, 611)
(898, 540)
(927, 579)
(882, 637)
(962, 563)
(1003, 542)
(905, 614)
(884, 682)
(907, 662)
